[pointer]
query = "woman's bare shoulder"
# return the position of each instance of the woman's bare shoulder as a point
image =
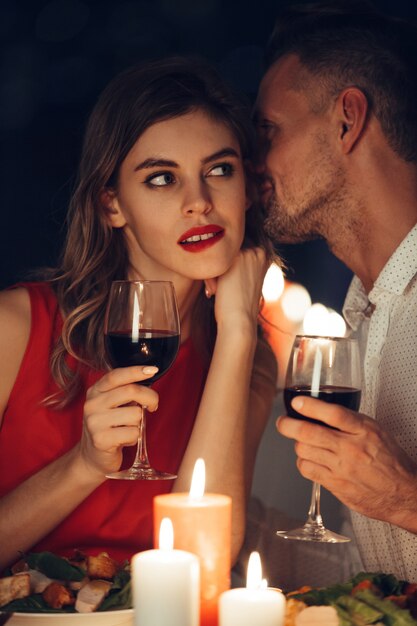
(14, 312)
(15, 321)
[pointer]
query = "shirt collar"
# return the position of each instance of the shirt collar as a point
(393, 280)
(356, 303)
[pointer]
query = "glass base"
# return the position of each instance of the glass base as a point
(312, 532)
(141, 473)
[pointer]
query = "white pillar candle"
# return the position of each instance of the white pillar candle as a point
(166, 584)
(254, 604)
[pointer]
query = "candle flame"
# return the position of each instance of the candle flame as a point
(166, 534)
(254, 575)
(198, 481)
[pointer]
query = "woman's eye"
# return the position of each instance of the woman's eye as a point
(224, 169)
(160, 180)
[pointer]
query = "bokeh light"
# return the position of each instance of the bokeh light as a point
(295, 302)
(337, 324)
(273, 285)
(319, 320)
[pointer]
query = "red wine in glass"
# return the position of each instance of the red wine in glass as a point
(149, 347)
(346, 396)
(327, 368)
(142, 328)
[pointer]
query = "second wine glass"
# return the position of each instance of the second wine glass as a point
(327, 368)
(142, 328)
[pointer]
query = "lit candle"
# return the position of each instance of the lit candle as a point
(255, 604)
(165, 584)
(203, 525)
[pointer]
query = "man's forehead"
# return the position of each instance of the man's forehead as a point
(282, 74)
(282, 78)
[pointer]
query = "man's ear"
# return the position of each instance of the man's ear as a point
(112, 212)
(352, 111)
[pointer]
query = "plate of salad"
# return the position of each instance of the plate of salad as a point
(43, 588)
(376, 599)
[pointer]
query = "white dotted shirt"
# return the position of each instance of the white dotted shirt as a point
(389, 394)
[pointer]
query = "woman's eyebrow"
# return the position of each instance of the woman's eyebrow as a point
(158, 162)
(155, 162)
(220, 154)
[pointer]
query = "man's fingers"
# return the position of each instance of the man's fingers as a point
(330, 414)
(316, 455)
(307, 432)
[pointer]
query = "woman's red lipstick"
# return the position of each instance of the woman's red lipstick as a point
(200, 238)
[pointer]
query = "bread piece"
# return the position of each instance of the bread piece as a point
(56, 596)
(292, 609)
(14, 587)
(102, 566)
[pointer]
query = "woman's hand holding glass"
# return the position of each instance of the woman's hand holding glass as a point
(112, 415)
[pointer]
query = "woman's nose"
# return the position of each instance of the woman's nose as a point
(197, 200)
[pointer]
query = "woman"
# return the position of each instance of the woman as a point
(163, 158)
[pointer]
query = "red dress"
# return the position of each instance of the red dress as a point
(117, 516)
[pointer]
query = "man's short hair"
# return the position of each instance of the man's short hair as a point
(343, 43)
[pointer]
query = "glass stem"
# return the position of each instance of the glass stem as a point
(141, 458)
(314, 515)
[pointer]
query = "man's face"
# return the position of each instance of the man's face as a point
(303, 184)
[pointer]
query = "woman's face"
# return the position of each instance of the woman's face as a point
(181, 199)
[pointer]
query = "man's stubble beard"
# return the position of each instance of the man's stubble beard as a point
(320, 214)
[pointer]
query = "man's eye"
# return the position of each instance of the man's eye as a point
(265, 127)
(160, 179)
(224, 169)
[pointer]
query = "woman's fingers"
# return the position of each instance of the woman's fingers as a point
(115, 428)
(138, 394)
(210, 287)
(123, 376)
(112, 414)
(118, 388)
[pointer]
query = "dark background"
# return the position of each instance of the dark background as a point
(57, 56)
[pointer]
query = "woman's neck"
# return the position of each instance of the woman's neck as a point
(187, 298)
(187, 292)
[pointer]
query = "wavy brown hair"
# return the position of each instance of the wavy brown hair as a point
(94, 254)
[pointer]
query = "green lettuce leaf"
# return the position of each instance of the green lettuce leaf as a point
(118, 598)
(393, 614)
(359, 611)
(54, 566)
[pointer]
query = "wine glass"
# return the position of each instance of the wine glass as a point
(142, 328)
(328, 368)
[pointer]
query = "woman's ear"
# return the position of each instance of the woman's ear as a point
(112, 212)
(352, 111)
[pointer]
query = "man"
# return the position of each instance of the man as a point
(337, 110)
